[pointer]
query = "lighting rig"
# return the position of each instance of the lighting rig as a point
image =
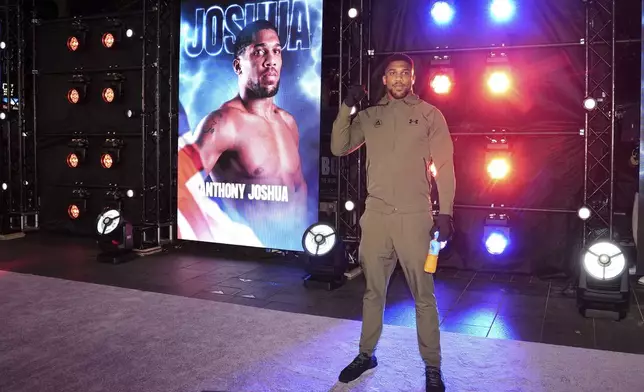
(78, 153)
(77, 39)
(325, 258)
(111, 152)
(77, 93)
(113, 90)
(78, 203)
(441, 77)
(498, 73)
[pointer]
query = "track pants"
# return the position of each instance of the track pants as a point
(387, 238)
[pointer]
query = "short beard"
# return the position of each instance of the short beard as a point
(256, 91)
(396, 95)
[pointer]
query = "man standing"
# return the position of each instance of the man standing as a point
(249, 140)
(403, 135)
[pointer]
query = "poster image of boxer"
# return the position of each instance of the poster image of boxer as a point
(250, 107)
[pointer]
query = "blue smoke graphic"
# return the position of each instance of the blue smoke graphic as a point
(207, 80)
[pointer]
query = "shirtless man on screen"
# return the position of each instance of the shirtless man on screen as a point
(249, 140)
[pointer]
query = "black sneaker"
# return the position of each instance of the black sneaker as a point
(360, 364)
(434, 380)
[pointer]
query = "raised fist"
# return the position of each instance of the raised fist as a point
(355, 94)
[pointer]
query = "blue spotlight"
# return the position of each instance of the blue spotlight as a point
(496, 233)
(496, 243)
(502, 10)
(442, 12)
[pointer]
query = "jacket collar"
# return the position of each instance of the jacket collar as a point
(410, 99)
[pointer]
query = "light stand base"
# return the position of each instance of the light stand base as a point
(603, 314)
(328, 283)
(148, 251)
(12, 236)
(116, 257)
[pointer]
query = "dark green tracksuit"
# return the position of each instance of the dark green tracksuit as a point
(402, 137)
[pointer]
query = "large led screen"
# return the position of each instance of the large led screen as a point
(249, 92)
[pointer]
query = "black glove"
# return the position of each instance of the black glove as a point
(355, 94)
(443, 224)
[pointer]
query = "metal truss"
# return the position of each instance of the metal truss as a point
(352, 71)
(18, 202)
(600, 123)
(158, 123)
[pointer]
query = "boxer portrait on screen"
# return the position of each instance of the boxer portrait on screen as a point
(248, 141)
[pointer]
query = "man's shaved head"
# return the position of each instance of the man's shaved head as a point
(398, 76)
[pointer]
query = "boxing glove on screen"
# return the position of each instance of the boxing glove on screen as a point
(355, 94)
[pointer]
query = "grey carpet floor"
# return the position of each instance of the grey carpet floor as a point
(58, 335)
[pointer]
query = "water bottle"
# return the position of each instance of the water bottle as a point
(432, 256)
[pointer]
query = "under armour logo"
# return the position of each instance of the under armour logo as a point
(413, 121)
(378, 123)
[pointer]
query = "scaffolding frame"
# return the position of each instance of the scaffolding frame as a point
(158, 123)
(18, 202)
(599, 160)
(353, 69)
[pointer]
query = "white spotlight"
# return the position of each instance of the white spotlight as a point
(130, 193)
(584, 213)
(319, 239)
(4, 186)
(349, 205)
(3, 115)
(353, 13)
(3, 45)
(590, 103)
(604, 261)
(129, 33)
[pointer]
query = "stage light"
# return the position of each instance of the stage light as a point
(108, 40)
(130, 113)
(353, 13)
(115, 240)
(603, 281)
(325, 257)
(73, 211)
(130, 193)
(349, 205)
(441, 75)
(113, 90)
(590, 104)
(3, 116)
(498, 73)
(76, 156)
(111, 152)
(129, 33)
(498, 168)
(497, 158)
(584, 213)
(112, 34)
(499, 82)
(77, 38)
(77, 93)
(441, 84)
(442, 12)
(496, 234)
(4, 186)
(108, 95)
(502, 10)
(78, 203)
(3, 45)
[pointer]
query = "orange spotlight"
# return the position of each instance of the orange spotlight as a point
(108, 40)
(108, 95)
(441, 84)
(72, 160)
(497, 158)
(107, 161)
(73, 96)
(499, 82)
(73, 43)
(73, 211)
(498, 168)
